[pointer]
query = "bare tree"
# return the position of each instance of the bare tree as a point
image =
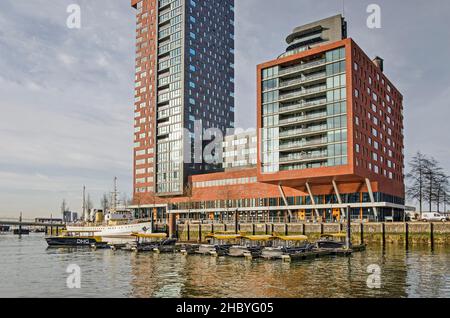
(416, 176)
(432, 173)
(442, 189)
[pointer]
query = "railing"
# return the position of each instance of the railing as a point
(301, 105)
(163, 3)
(301, 67)
(292, 145)
(302, 131)
(302, 118)
(302, 80)
(303, 92)
(302, 157)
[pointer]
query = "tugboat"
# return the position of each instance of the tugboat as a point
(76, 239)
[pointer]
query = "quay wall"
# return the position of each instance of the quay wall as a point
(386, 233)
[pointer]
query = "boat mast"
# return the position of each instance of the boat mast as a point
(114, 197)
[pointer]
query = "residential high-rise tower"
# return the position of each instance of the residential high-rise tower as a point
(184, 85)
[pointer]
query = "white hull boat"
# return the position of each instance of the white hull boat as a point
(114, 230)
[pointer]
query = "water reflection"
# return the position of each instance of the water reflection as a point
(29, 269)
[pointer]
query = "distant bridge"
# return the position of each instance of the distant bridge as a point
(29, 223)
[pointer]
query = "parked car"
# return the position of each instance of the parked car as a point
(433, 217)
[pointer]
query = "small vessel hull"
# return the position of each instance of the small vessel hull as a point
(21, 232)
(70, 242)
(326, 244)
(242, 251)
(272, 253)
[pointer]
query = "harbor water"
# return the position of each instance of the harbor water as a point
(29, 269)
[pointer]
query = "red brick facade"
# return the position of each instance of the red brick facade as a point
(145, 99)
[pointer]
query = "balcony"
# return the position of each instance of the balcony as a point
(300, 106)
(301, 67)
(298, 119)
(303, 131)
(303, 93)
(163, 4)
(298, 145)
(303, 80)
(163, 81)
(299, 157)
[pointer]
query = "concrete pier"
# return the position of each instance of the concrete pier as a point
(362, 233)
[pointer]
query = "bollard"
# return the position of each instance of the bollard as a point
(432, 235)
(349, 230)
(362, 233)
(188, 232)
(407, 235)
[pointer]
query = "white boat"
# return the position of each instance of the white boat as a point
(114, 230)
(117, 224)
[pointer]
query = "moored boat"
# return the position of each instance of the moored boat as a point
(287, 245)
(219, 244)
(332, 241)
(119, 229)
(76, 239)
(251, 245)
(151, 242)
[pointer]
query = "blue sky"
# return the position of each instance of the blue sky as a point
(66, 96)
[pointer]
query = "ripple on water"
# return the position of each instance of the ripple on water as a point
(29, 269)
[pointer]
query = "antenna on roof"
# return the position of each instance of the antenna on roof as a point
(343, 8)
